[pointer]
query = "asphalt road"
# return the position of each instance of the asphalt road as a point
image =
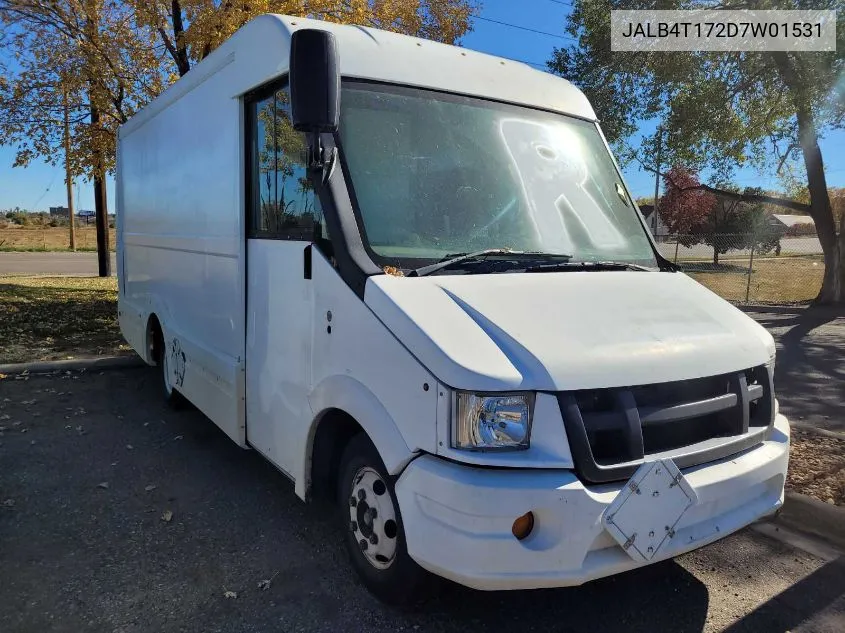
(789, 246)
(58, 263)
(90, 462)
(809, 371)
(86, 263)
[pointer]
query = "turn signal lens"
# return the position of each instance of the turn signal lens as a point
(523, 525)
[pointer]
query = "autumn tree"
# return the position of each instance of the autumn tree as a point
(111, 57)
(83, 54)
(684, 207)
(190, 29)
(720, 109)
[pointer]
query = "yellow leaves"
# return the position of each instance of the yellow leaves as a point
(121, 54)
(211, 22)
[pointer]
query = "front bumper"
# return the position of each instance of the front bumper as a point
(458, 519)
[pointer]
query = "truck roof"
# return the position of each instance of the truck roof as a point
(261, 50)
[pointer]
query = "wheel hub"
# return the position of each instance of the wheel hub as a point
(372, 518)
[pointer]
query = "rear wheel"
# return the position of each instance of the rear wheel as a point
(373, 530)
(172, 397)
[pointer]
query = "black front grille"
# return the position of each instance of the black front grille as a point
(612, 431)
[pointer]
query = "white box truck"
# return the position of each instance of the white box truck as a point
(411, 276)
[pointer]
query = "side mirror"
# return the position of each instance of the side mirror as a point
(314, 81)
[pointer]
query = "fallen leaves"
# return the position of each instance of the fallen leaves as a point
(46, 318)
(150, 488)
(817, 466)
(167, 516)
(9, 503)
(230, 594)
(104, 485)
(264, 585)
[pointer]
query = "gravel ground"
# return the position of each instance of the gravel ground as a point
(92, 466)
(817, 466)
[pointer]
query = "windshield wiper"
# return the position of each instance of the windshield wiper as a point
(479, 256)
(592, 266)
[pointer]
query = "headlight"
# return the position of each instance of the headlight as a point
(500, 422)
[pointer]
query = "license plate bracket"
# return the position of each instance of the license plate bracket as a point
(644, 515)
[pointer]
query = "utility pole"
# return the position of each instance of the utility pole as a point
(68, 175)
(656, 181)
(101, 209)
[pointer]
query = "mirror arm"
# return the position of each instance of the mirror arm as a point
(320, 160)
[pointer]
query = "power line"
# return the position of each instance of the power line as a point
(41, 197)
(525, 61)
(525, 28)
(566, 4)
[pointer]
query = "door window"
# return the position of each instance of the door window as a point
(281, 203)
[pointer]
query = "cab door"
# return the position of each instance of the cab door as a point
(283, 218)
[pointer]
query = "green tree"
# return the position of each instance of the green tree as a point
(720, 109)
(736, 224)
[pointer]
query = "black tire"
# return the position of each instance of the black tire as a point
(402, 581)
(173, 398)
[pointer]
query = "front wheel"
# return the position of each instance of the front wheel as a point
(373, 531)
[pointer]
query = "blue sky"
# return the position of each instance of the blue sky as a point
(40, 186)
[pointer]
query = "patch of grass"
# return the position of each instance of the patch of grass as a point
(50, 318)
(773, 280)
(49, 249)
(49, 238)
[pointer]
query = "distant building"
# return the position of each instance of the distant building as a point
(662, 230)
(82, 215)
(63, 212)
(784, 221)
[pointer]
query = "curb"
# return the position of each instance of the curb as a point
(813, 517)
(74, 364)
(800, 425)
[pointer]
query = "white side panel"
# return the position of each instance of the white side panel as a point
(181, 238)
(278, 348)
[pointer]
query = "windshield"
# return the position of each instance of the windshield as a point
(437, 174)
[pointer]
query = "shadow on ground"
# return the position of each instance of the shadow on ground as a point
(810, 370)
(815, 603)
(85, 547)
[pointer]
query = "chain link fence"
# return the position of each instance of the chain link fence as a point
(744, 268)
(49, 238)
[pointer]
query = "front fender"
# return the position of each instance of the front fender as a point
(352, 397)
